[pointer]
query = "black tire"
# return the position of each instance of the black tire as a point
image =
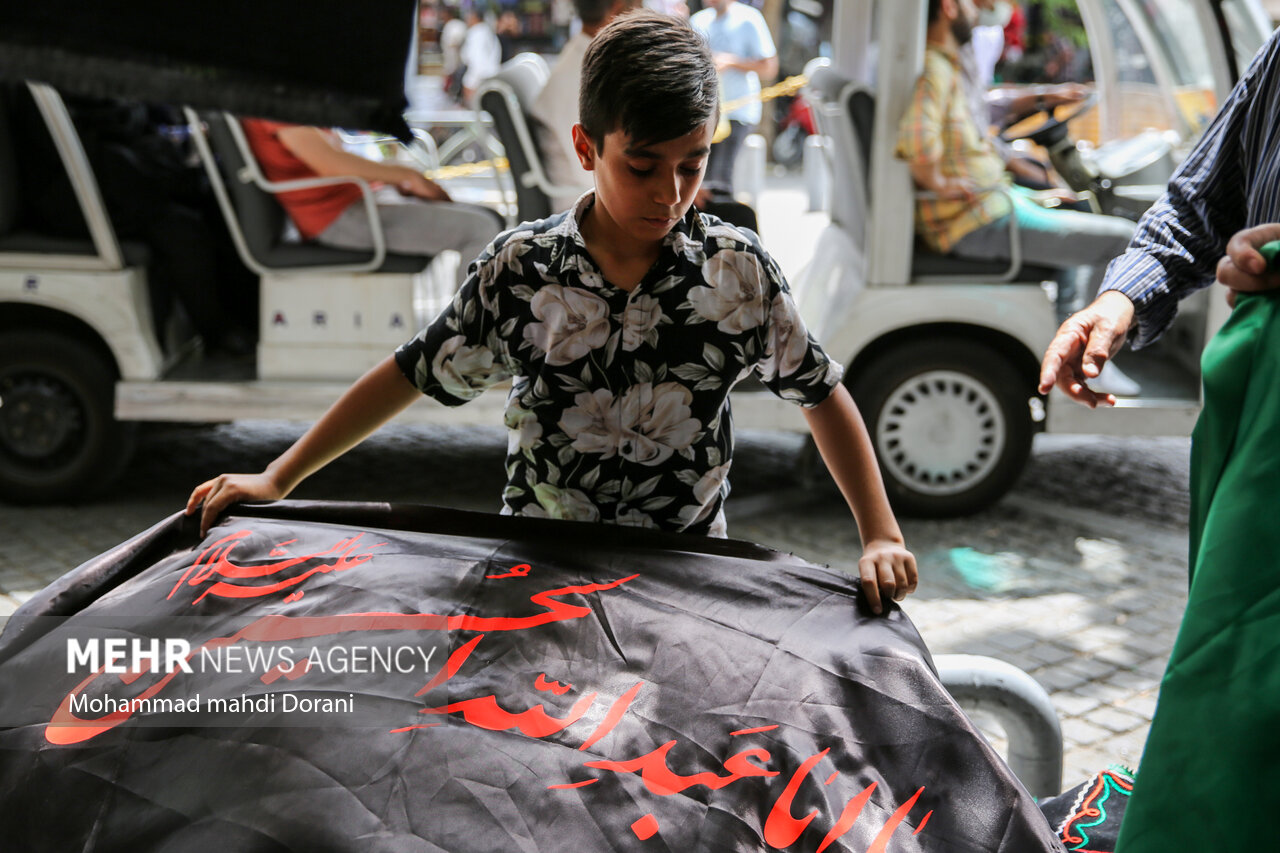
(59, 439)
(951, 424)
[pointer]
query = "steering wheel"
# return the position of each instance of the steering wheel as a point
(1054, 128)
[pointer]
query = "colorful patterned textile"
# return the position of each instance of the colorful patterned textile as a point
(938, 127)
(619, 406)
(1087, 818)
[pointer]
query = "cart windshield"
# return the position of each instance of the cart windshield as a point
(1180, 44)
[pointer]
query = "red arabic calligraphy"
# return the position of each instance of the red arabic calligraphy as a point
(66, 728)
(236, 581)
(555, 687)
(519, 571)
(782, 828)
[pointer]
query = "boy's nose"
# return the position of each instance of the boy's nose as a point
(668, 190)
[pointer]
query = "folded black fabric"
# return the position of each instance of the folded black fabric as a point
(407, 678)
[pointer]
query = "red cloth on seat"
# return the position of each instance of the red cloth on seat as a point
(312, 210)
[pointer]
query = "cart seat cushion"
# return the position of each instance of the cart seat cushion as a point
(927, 263)
(296, 255)
(29, 242)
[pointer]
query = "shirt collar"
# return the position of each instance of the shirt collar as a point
(951, 53)
(690, 229)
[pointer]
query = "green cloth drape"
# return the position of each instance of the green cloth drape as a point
(1210, 773)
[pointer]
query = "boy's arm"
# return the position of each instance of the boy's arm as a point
(887, 568)
(373, 400)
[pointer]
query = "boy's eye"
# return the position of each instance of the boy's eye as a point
(641, 172)
(691, 169)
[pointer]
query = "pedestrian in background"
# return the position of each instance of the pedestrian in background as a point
(744, 54)
(481, 54)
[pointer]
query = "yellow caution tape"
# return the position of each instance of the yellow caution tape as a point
(465, 170)
(789, 86)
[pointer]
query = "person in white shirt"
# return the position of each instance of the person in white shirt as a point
(744, 53)
(452, 34)
(481, 54)
(556, 108)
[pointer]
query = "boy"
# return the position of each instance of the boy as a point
(622, 324)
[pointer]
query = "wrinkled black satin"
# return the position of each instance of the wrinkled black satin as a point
(722, 635)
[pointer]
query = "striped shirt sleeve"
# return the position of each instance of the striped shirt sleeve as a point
(1178, 242)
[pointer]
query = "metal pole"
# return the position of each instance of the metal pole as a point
(1021, 705)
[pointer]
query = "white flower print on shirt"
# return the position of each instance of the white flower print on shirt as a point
(733, 299)
(464, 371)
(573, 322)
(569, 504)
(705, 492)
(656, 422)
(617, 412)
(787, 332)
(523, 430)
(643, 314)
(634, 518)
(592, 423)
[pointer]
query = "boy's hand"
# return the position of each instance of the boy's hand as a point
(225, 489)
(888, 570)
(958, 189)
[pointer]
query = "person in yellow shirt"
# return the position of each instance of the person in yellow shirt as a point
(971, 200)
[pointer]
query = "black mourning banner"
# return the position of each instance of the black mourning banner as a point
(366, 677)
(323, 62)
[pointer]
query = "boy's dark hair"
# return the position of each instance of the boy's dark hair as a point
(935, 9)
(650, 76)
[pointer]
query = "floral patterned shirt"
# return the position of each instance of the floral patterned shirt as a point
(619, 403)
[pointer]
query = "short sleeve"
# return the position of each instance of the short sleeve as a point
(461, 353)
(794, 365)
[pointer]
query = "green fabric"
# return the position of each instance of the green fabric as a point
(1210, 773)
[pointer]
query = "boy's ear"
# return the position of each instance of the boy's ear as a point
(584, 147)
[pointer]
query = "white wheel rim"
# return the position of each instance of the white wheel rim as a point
(940, 432)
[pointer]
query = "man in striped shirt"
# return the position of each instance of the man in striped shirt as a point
(1209, 762)
(951, 157)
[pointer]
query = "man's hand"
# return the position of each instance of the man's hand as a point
(1243, 269)
(419, 186)
(888, 570)
(225, 489)
(1029, 170)
(1054, 197)
(958, 189)
(1066, 93)
(1083, 344)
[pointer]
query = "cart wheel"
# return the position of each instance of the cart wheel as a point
(950, 422)
(58, 437)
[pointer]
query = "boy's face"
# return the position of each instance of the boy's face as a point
(645, 188)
